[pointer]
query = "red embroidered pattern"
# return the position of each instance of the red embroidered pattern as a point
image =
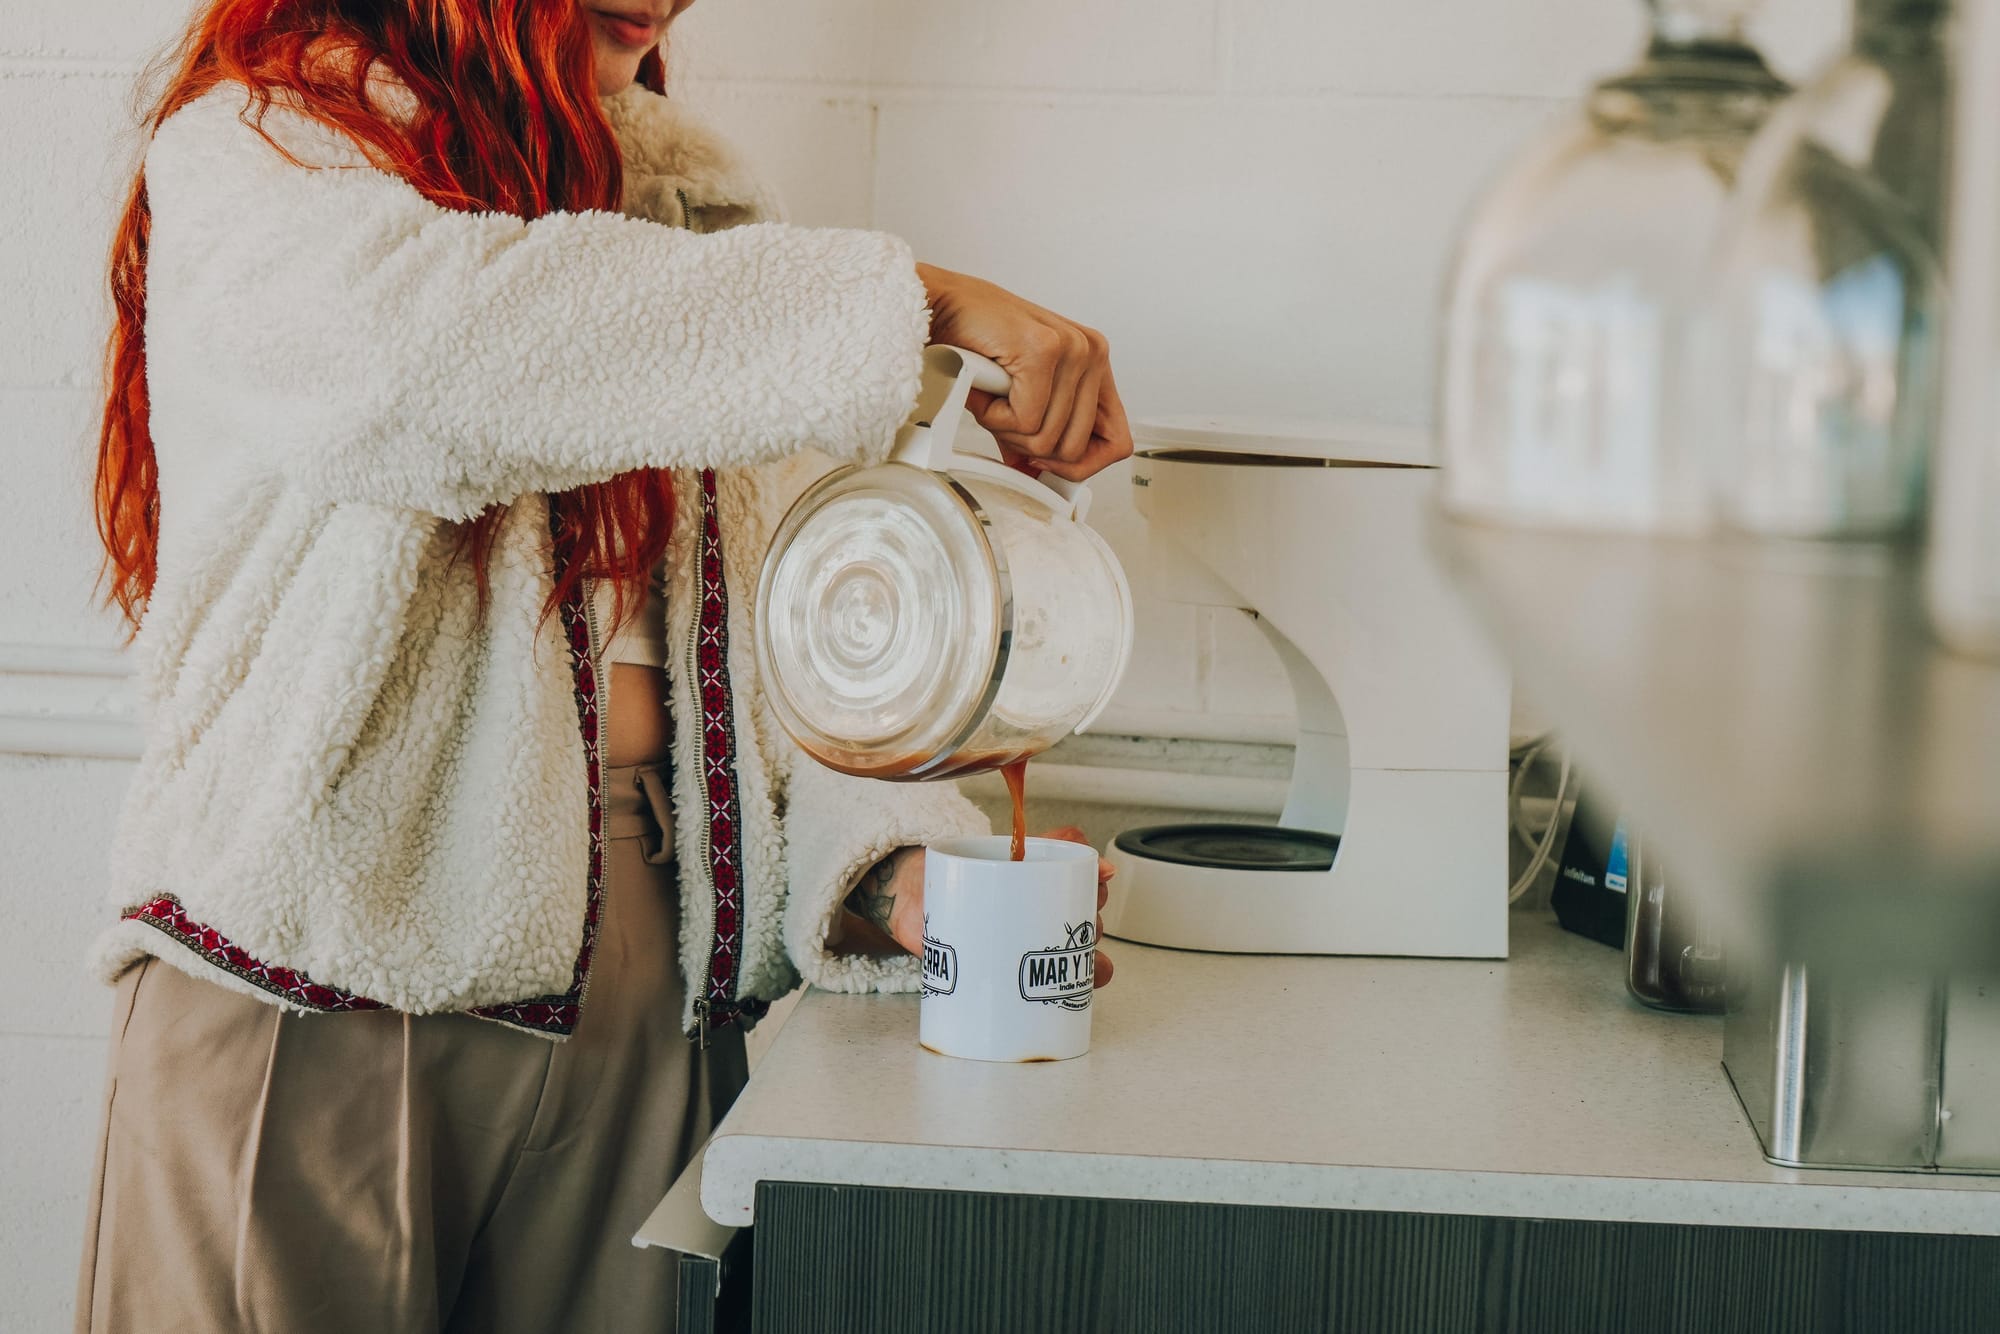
(718, 754)
(166, 913)
(549, 1014)
(558, 1014)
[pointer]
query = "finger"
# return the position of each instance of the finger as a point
(1089, 410)
(1100, 455)
(1110, 441)
(1111, 403)
(1113, 428)
(1032, 371)
(1084, 413)
(1066, 399)
(1102, 973)
(1065, 394)
(1103, 897)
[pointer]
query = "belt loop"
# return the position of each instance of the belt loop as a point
(652, 781)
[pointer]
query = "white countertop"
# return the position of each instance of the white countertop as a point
(1531, 1088)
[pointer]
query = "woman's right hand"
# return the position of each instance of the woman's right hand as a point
(1063, 412)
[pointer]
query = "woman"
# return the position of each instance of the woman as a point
(453, 365)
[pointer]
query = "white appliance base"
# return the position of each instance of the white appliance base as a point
(1421, 871)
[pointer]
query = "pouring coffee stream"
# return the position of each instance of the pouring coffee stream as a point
(1016, 775)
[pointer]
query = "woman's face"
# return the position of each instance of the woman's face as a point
(622, 32)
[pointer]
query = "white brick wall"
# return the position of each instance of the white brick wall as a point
(55, 816)
(1252, 197)
(65, 93)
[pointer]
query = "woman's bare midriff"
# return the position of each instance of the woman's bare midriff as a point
(638, 731)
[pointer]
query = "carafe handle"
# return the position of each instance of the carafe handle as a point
(929, 440)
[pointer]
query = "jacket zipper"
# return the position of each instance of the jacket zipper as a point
(597, 663)
(704, 1010)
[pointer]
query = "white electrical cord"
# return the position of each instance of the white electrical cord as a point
(1545, 847)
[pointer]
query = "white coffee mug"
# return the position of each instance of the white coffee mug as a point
(1010, 949)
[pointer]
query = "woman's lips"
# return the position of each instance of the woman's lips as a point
(636, 31)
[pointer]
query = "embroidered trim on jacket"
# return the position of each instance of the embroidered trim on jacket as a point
(166, 914)
(558, 1014)
(718, 771)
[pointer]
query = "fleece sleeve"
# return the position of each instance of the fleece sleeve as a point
(402, 353)
(837, 827)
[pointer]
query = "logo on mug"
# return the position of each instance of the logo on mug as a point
(940, 965)
(1062, 975)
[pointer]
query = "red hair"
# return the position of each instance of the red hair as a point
(507, 121)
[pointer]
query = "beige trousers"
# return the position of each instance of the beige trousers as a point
(382, 1173)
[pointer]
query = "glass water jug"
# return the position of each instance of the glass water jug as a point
(1963, 574)
(1574, 281)
(1820, 333)
(941, 613)
(1673, 953)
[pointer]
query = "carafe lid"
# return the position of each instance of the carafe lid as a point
(881, 616)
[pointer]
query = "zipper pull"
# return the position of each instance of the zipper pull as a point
(701, 1013)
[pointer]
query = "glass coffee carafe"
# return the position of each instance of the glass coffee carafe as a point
(941, 613)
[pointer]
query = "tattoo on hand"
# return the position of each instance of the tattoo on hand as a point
(871, 900)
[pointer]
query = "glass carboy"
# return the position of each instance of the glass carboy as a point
(1820, 340)
(1963, 573)
(1565, 317)
(941, 613)
(1673, 953)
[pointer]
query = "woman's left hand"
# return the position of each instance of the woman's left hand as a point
(890, 899)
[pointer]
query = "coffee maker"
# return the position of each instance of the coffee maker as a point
(1393, 838)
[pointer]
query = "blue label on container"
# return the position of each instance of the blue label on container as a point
(1615, 863)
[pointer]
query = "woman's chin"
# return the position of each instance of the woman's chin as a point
(616, 71)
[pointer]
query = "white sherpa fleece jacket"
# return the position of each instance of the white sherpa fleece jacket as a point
(350, 776)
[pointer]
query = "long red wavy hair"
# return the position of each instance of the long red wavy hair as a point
(507, 121)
